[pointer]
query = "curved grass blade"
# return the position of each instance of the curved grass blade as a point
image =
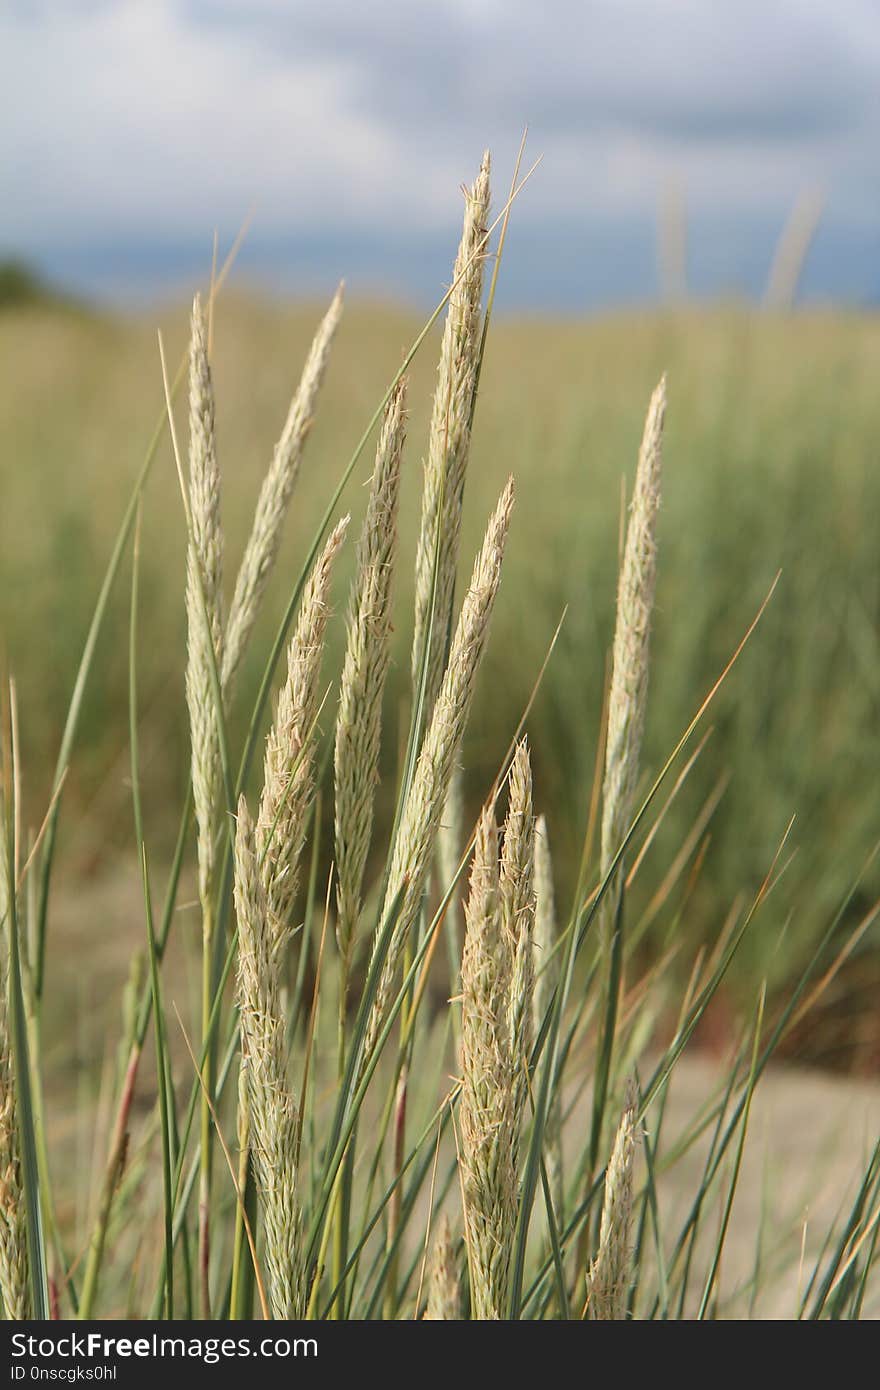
(609, 1029)
(849, 1232)
(261, 1290)
(25, 1116)
(579, 925)
(737, 1164)
(164, 1095)
(158, 1014)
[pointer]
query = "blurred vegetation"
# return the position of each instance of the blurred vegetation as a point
(21, 285)
(770, 463)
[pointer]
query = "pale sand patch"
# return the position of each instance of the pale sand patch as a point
(810, 1137)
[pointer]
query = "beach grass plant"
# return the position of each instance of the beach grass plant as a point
(473, 1132)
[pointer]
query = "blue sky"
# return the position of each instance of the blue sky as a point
(135, 127)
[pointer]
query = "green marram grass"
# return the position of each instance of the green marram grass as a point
(320, 1130)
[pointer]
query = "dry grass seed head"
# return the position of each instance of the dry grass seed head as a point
(13, 1230)
(262, 547)
(629, 677)
(609, 1275)
(271, 1106)
(288, 765)
(367, 655)
(488, 1104)
(414, 843)
(204, 577)
(444, 1286)
(449, 440)
(518, 915)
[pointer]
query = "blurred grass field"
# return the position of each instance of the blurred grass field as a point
(771, 463)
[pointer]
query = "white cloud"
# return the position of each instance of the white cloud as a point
(161, 119)
(130, 119)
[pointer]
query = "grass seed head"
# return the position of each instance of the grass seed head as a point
(271, 1108)
(416, 836)
(609, 1275)
(204, 603)
(547, 960)
(444, 1286)
(449, 441)
(487, 1112)
(265, 538)
(359, 720)
(288, 765)
(629, 676)
(518, 916)
(13, 1231)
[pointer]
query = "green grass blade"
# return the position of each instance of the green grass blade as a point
(555, 1247)
(861, 1290)
(651, 1206)
(580, 922)
(24, 1111)
(164, 1099)
(387, 1255)
(609, 1030)
(158, 1015)
(351, 1092)
(737, 1163)
(847, 1235)
(75, 708)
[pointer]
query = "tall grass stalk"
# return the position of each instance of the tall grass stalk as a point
(627, 703)
(271, 1105)
(416, 835)
(449, 445)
